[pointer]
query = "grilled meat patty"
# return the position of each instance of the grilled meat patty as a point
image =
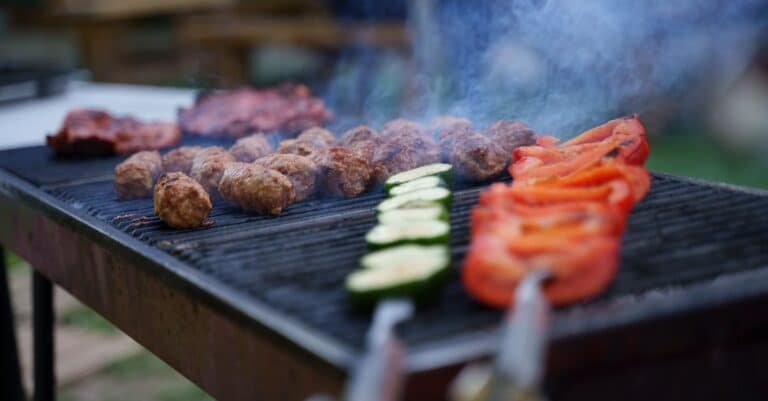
(96, 132)
(256, 188)
(250, 148)
(208, 166)
(301, 170)
(510, 134)
(476, 157)
(180, 159)
(405, 145)
(318, 136)
(135, 176)
(180, 201)
(343, 172)
(287, 108)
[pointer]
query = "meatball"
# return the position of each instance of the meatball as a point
(250, 148)
(297, 147)
(450, 136)
(403, 152)
(401, 126)
(444, 122)
(510, 134)
(180, 159)
(477, 158)
(301, 170)
(208, 166)
(343, 172)
(135, 176)
(318, 136)
(256, 188)
(360, 133)
(180, 201)
(367, 148)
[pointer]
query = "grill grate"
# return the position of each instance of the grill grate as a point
(682, 233)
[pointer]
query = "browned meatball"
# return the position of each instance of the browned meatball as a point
(135, 176)
(445, 122)
(318, 136)
(401, 126)
(256, 188)
(403, 152)
(477, 158)
(510, 134)
(301, 170)
(358, 134)
(180, 201)
(367, 148)
(208, 166)
(297, 147)
(251, 148)
(450, 136)
(344, 173)
(180, 159)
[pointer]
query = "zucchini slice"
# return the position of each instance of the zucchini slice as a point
(419, 232)
(432, 212)
(417, 198)
(419, 183)
(408, 270)
(442, 170)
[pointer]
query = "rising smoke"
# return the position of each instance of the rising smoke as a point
(561, 66)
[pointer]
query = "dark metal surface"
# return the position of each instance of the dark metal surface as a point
(43, 316)
(690, 248)
(11, 376)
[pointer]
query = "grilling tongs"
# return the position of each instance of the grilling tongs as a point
(378, 376)
(519, 365)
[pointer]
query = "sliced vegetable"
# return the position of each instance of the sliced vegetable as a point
(442, 170)
(408, 270)
(418, 198)
(419, 183)
(432, 212)
(419, 232)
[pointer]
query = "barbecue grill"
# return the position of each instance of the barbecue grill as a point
(254, 306)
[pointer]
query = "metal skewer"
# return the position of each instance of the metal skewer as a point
(378, 375)
(519, 365)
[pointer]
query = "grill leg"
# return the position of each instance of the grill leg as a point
(45, 382)
(11, 376)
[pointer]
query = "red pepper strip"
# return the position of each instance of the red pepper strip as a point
(629, 134)
(492, 272)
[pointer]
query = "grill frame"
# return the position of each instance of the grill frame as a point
(687, 303)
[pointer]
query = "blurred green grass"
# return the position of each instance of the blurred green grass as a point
(704, 157)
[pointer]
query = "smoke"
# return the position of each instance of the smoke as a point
(560, 66)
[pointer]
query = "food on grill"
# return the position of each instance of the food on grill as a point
(447, 122)
(180, 201)
(96, 132)
(425, 232)
(297, 147)
(623, 139)
(250, 148)
(510, 135)
(441, 170)
(318, 136)
(416, 199)
(343, 173)
(302, 171)
(432, 212)
(416, 257)
(208, 166)
(357, 134)
(419, 183)
(287, 108)
(405, 145)
(180, 159)
(414, 271)
(362, 140)
(477, 158)
(135, 176)
(256, 188)
(565, 212)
